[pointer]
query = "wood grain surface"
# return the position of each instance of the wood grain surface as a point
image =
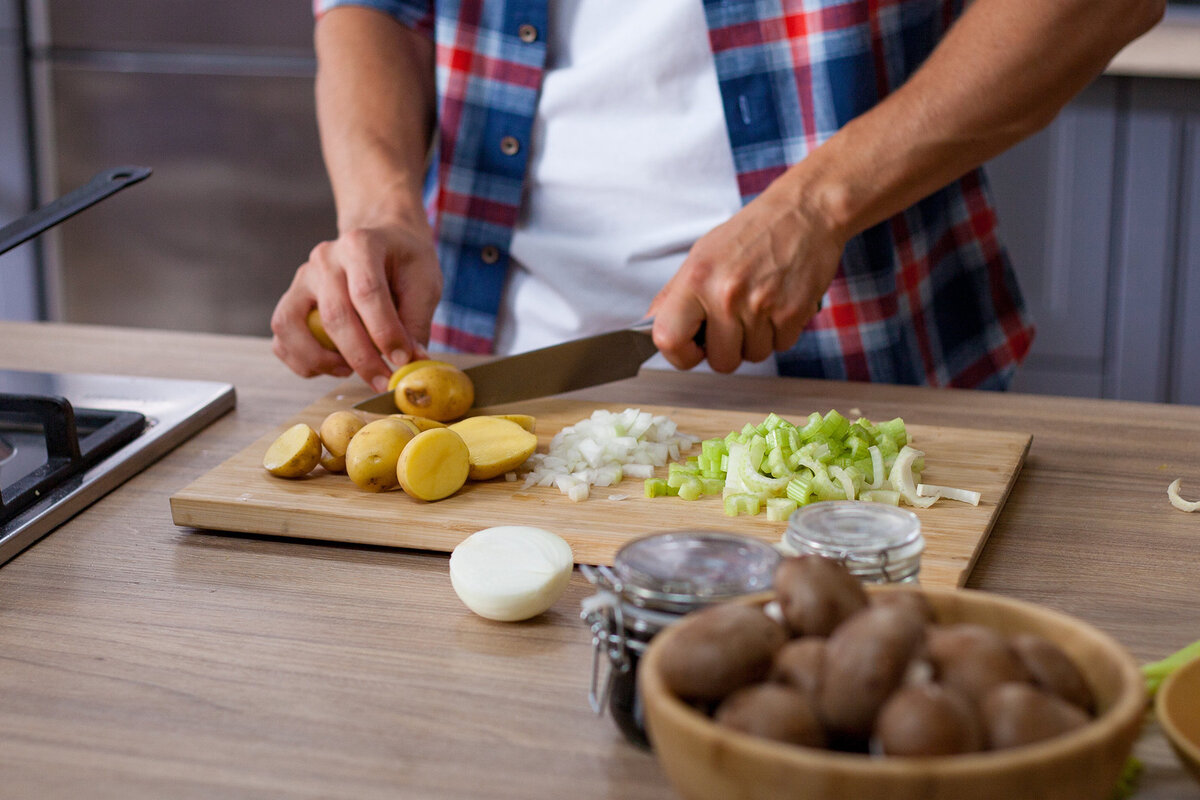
(239, 495)
(139, 659)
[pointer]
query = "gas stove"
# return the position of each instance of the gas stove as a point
(66, 440)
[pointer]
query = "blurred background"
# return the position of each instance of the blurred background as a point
(1101, 211)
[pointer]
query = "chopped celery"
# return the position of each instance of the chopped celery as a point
(690, 489)
(655, 487)
(780, 508)
(741, 503)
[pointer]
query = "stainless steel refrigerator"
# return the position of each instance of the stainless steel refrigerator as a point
(216, 97)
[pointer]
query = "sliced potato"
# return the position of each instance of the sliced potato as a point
(336, 432)
(295, 453)
(496, 445)
(434, 465)
(421, 423)
(524, 420)
(374, 452)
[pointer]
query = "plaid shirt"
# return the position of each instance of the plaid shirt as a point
(926, 297)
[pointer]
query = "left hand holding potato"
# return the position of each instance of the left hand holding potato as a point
(754, 282)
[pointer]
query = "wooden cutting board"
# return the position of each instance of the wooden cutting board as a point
(240, 496)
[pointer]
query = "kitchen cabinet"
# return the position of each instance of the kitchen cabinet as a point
(1101, 214)
(217, 99)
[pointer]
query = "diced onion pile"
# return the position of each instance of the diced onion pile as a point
(604, 449)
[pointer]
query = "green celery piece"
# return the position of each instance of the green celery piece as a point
(887, 496)
(835, 425)
(780, 508)
(676, 478)
(777, 464)
(826, 488)
(800, 488)
(690, 489)
(655, 487)
(740, 503)
(812, 428)
(1157, 672)
(895, 430)
(857, 446)
(712, 485)
(685, 469)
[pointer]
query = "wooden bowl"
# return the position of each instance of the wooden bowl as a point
(705, 761)
(1177, 706)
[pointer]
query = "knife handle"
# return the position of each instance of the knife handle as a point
(646, 324)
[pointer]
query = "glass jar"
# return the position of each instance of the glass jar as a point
(652, 583)
(878, 543)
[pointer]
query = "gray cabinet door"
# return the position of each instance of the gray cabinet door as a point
(1053, 195)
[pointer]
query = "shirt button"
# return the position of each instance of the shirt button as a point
(490, 254)
(509, 145)
(527, 33)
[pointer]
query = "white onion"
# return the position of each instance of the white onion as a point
(1177, 500)
(511, 572)
(949, 493)
(604, 449)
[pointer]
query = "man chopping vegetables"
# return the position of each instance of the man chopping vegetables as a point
(801, 178)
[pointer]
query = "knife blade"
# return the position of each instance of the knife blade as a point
(559, 368)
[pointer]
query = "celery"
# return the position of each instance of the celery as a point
(1158, 671)
(780, 508)
(690, 489)
(655, 487)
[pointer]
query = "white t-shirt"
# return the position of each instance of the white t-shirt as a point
(629, 165)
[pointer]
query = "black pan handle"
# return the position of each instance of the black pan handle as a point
(104, 184)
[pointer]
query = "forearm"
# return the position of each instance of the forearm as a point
(1003, 71)
(375, 112)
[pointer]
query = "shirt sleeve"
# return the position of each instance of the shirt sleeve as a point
(416, 14)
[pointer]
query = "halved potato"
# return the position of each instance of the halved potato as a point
(295, 453)
(496, 445)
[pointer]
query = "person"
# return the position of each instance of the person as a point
(802, 179)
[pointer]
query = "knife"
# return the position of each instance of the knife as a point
(564, 367)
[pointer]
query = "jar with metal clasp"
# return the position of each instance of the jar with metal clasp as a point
(653, 582)
(878, 543)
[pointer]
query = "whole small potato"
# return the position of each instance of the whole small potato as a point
(374, 452)
(1052, 669)
(435, 391)
(928, 720)
(904, 596)
(799, 664)
(720, 649)
(336, 432)
(865, 660)
(1014, 714)
(816, 594)
(973, 658)
(772, 711)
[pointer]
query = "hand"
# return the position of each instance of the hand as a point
(754, 282)
(376, 289)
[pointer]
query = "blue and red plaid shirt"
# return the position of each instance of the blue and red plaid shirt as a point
(926, 297)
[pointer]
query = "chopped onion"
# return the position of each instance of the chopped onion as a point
(948, 492)
(604, 449)
(1179, 502)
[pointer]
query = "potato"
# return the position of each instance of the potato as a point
(865, 661)
(816, 594)
(411, 366)
(973, 658)
(435, 391)
(317, 329)
(336, 432)
(497, 445)
(928, 720)
(723, 648)
(799, 664)
(295, 453)
(420, 423)
(524, 420)
(1019, 713)
(434, 465)
(374, 452)
(772, 711)
(1052, 669)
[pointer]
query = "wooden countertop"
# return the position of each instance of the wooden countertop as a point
(138, 659)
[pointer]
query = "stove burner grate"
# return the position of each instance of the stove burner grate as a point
(62, 442)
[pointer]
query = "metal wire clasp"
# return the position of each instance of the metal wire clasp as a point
(602, 611)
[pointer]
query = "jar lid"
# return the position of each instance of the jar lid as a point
(862, 535)
(684, 570)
